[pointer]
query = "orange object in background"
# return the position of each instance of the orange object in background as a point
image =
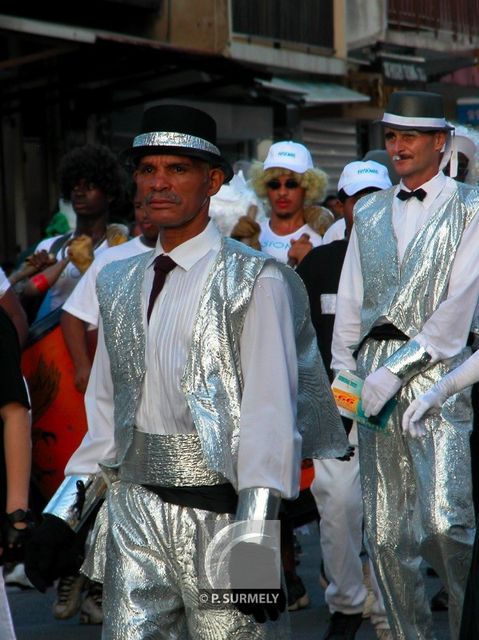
(307, 474)
(58, 412)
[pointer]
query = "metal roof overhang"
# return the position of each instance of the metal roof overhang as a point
(314, 93)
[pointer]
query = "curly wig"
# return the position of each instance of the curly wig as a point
(314, 181)
(96, 164)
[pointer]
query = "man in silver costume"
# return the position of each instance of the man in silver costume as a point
(193, 404)
(406, 299)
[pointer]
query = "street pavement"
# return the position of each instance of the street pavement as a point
(33, 620)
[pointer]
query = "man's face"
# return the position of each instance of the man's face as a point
(143, 223)
(176, 188)
(335, 206)
(415, 154)
(286, 197)
(88, 199)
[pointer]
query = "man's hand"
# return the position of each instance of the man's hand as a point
(378, 388)
(15, 536)
(50, 553)
(348, 455)
(40, 260)
(82, 375)
(256, 564)
(412, 421)
(299, 248)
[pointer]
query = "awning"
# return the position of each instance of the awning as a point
(314, 93)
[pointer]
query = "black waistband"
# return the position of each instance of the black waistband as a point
(386, 332)
(219, 498)
(382, 332)
(390, 332)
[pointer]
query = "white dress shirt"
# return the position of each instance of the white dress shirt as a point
(268, 363)
(445, 332)
(83, 301)
(336, 231)
(67, 280)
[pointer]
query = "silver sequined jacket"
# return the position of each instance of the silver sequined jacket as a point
(212, 380)
(408, 294)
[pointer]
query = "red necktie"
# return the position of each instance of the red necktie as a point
(163, 266)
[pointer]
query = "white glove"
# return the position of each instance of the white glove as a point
(378, 388)
(460, 378)
(429, 401)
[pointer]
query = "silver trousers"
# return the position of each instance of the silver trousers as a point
(151, 560)
(417, 502)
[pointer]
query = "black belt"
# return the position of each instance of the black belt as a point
(390, 332)
(382, 332)
(219, 498)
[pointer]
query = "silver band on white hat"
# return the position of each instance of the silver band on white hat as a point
(174, 139)
(415, 121)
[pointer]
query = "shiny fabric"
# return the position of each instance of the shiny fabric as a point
(95, 558)
(174, 139)
(410, 359)
(417, 500)
(212, 379)
(152, 572)
(74, 509)
(258, 503)
(167, 461)
(410, 293)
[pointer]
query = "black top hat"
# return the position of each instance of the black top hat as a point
(418, 110)
(174, 129)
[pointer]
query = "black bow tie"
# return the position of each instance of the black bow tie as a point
(420, 194)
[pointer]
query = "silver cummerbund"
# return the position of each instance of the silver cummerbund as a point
(167, 461)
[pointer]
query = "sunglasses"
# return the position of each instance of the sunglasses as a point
(276, 184)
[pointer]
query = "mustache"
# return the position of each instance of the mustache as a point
(169, 197)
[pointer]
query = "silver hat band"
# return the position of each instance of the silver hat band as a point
(174, 139)
(414, 121)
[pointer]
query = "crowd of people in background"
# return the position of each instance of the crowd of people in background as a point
(206, 309)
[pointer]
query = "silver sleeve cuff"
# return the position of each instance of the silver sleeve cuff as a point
(76, 498)
(257, 516)
(258, 503)
(408, 361)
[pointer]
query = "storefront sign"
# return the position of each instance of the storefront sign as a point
(467, 111)
(406, 72)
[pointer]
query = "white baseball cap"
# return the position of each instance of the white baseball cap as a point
(359, 175)
(288, 155)
(466, 146)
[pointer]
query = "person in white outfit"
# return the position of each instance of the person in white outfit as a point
(406, 299)
(290, 182)
(336, 486)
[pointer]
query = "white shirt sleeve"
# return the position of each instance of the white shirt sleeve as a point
(83, 301)
(99, 441)
(445, 332)
(335, 232)
(347, 323)
(270, 444)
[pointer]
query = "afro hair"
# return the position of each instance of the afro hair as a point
(314, 181)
